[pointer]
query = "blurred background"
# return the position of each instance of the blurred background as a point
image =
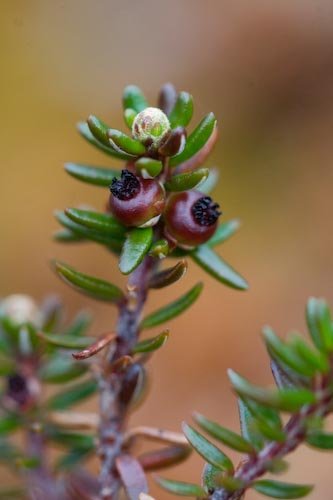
(265, 68)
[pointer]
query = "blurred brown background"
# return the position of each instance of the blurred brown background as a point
(266, 68)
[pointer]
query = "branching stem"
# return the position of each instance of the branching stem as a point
(295, 431)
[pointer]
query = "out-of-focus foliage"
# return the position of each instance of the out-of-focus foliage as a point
(303, 374)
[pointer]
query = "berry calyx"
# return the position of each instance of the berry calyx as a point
(126, 187)
(190, 218)
(205, 211)
(151, 127)
(135, 201)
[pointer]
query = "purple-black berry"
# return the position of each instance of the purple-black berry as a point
(190, 218)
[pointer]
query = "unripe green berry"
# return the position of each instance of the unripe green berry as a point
(151, 126)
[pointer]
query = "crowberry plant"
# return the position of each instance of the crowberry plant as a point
(159, 208)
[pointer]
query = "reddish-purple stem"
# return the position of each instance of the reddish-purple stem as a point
(113, 412)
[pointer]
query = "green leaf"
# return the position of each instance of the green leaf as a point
(211, 477)
(101, 133)
(135, 248)
(227, 437)
(89, 285)
(316, 359)
(74, 458)
(218, 268)
(7, 366)
(133, 98)
(110, 241)
(152, 344)
(231, 483)
(207, 450)
(80, 324)
(100, 222)
(72, 395)
(60, 368)
(67, 341)
(320, 439)
(182, 111)
(180, 488)
(276, 489)
(12, 493)
(282, 399)
(71, 439)
(267, 421)
(98, 176)
(98, 129)
(88, 136)
(148, 168)
(174, 309)
(8, 424)
(211, 182)
(168, 276)
(325, 324)
(125, 143)
(187, 180)
(320, 324)
(248, 425)
(224, 232)
(5, 347)
(129, 117)
(277, 466)
(196, 140)
(67, 236)
(285, 353)
(271, 432)
(28, 462)
(261, 413)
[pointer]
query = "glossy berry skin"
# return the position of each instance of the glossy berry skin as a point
(136, 202)
(191, 218)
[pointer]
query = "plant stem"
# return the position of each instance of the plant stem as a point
(41, 484)
(295, 431)
(113, 411)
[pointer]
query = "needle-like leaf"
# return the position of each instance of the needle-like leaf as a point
(98, 176)
(196, 140)
(89, 285)
(174, 309)
(180, 488)
(212, 263)
(136, 246)
(207, 450)
(277, 489)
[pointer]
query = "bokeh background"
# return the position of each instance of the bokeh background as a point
(265, 68)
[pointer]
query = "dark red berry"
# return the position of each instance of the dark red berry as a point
(190, 218)
(135, 201)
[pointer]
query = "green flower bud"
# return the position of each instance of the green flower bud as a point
(151, 126)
